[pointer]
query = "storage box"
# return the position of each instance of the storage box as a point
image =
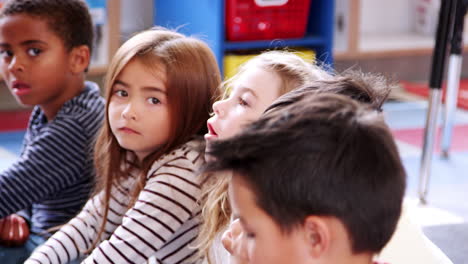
(233, 61)
(266, 19)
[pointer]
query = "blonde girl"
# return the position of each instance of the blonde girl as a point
(247, 94)
(159, 90)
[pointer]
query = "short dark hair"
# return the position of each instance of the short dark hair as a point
(371, 89)
(69, 19)
(325, 155)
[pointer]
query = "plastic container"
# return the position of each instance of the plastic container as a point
(233, 61)
(266, 19)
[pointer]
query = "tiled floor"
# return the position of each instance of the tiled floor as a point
(10, 147)
(445, 218)
(448, 180)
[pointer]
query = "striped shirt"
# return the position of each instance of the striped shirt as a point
(162, 223)
(52, 178)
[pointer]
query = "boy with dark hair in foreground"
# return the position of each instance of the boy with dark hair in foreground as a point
(316, 181)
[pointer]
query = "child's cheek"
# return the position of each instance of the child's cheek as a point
(249, 249)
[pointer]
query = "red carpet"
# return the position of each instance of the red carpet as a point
(14, 120)
(415, 137)
(422, 89)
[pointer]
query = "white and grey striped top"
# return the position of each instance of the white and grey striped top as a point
(162, 224)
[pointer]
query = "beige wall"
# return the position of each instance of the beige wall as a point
(7, 102)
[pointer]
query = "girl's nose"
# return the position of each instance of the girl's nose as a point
(129, 112)
(218, 107)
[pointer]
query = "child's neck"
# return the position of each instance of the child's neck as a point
(363, 258)
(53, 106)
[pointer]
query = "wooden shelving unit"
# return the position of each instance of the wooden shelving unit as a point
(381, 45)
(112, 35)
(113, 9)
(205, 19)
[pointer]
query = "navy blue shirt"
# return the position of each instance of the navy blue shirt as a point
(53, 176)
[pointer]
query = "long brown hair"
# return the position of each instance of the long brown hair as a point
(192, 79)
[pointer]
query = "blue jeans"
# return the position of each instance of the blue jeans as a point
(13, 255)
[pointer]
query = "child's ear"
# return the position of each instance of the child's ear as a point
(317, 236)
(79, 59)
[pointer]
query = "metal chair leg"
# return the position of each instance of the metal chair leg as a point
(453, 83)
(438, 64)
(454, 74)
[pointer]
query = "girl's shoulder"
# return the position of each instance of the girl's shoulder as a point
(188, 156)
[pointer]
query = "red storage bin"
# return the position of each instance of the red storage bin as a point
(266, 19)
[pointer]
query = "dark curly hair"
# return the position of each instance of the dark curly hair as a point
(69, 19)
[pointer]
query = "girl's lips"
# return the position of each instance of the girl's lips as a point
(211, 130)
(128, 130)
(211, 135)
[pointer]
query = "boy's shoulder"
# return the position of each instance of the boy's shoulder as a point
(89, 98)
(87, 106)
(79, 117)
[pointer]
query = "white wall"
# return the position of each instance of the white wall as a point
(386, 16)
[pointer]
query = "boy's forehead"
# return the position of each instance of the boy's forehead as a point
(23, 27)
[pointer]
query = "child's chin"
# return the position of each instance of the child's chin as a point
(24, 102)
(210, 137)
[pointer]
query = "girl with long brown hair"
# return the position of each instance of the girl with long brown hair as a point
(159, 89)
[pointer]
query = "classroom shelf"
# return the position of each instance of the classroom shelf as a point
(275, 43)
(206, 19)
(366, 34)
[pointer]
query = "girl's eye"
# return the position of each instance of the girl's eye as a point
(249, 235)
(154, 100)
(121, 93)
(34, 52)
(243, 102)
